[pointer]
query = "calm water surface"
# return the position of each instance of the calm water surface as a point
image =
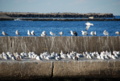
(56, 26)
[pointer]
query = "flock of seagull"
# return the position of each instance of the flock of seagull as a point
(73, 33)
(104, 55)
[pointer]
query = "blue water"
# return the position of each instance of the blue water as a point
(117, 17)
(56, 26)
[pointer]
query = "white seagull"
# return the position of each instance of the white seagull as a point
(93, 33)
(87, 27)
(3, 33)
(73, 33)
(43, 33)
(51, 33)
(38, 58)
(84, 33)
(117, 33)
(16, 32)
(32, 32)
(28, 32)
(105, 33)
(61, 33)
(88, 24)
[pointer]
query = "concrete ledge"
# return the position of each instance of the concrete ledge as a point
(56, 44)
(96, 69)
(16, 70)
(25, 70)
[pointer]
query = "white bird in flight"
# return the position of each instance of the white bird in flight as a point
(88, 24)
(87, 27)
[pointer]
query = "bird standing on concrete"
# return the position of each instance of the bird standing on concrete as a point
(73, 33)
(43, 33)
(5, 56)
(32, 32)
(38, 57)
(105, 33)
(3, 33)
(28, 32)
(16, 32)
(61, 33)
(117, 33)
(52, 34)
(93, 33)
(84, 33)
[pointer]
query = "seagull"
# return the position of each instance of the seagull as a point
(88, 56)
(28, 32)
(87, 27)
(32, 32)
(57, 58)
(93, 33)
(63, 56)
(113, 57)
(84, 33)
(48, 57)
(117, 33)
(89, 24)
(37, 57)
(69, 56)
(18, 57)
(51, 33)
(61, 33)
(13, 58)
(73, 33)
(16, 32)
(43, 33)
(105, 33)
(4, 56)
(3, 33)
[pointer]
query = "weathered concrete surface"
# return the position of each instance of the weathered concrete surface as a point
(96, 69)
(56, 44)
(25, 70)
(16, 70)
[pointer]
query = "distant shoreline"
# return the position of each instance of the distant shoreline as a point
(57, 19)
(57, 16)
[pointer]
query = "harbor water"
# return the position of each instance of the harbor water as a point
(57, 26)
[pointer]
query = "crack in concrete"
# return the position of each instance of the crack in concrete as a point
(52, 70)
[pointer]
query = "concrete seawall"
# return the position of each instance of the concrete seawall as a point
(27, 70)
(56, 44)
(31, 69)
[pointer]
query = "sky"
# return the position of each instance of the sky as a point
(54, 6)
